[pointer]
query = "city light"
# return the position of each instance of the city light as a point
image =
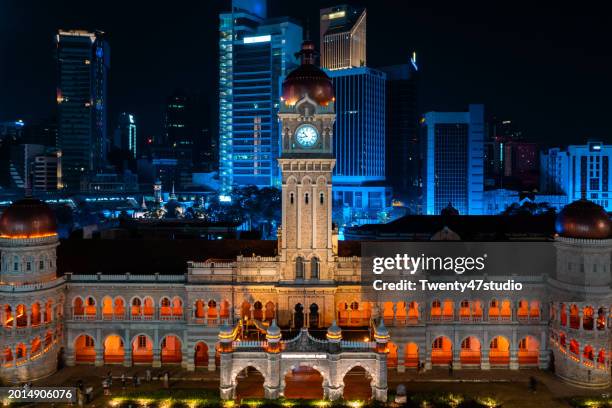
(257, 39)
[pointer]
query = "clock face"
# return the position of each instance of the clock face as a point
(306, 135)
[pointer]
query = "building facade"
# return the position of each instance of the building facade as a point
(83, 62)
(255, 54)
(402, 134)
(125, 137)
(453, 161)
(580, 171)
(307, 280)
(343, 37)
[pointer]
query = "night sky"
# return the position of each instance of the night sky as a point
(547, 68)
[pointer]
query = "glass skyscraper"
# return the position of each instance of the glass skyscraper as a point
(343, 37)
(453, 161)
(255, 54)
(83, 61)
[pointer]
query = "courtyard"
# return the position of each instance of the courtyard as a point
(501, 388)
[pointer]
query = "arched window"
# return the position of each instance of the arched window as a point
(306, 198)
(314, 268)
(299, 268)
(291, 198)
(321, 198)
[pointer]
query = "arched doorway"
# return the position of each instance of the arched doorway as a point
(499, 351)
(529, 351)
(142, 349)
(201, 355)
(313, 317)
(84, 349)
(270, 312)
(114, 351)
(441, 351)
(303, 382)
(298, 316)
(411, 356)
(245, 310)
(470, 352)
(250, 384)
(171, 350)
(357, 384)
(258, 311)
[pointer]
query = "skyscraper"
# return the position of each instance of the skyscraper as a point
(125, 137)
(83, 61)
(580, 171)
(343, 37)
(402, 134)
(453, 162)
(359, 142)
(255, 54)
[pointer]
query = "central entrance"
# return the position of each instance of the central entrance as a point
(304, 382)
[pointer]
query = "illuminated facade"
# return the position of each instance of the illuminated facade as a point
(125, 135)
(308, 280)
(580, 171)
(83, 61)
(343, 37)
(255, 53)
(453, 161)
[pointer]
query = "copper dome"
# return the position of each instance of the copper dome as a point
(308, 79)
(28, 218)
(583, 219)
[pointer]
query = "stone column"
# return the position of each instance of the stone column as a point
(401, 353)
(272, 383)
(380, 388)
(514, 352)
(457, 352)
(211, 358)
(428, 350)
(127, 348)
(485, 349)
(226, 386)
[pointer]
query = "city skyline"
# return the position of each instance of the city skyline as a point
(489, 53)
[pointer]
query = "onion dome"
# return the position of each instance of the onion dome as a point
(583, 219)
(449, 210)
(28, 218)
(273, 332)
(381, 331)
(308, 79)
(226, 332)
(334, 333)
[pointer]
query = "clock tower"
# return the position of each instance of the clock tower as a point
(306, 162)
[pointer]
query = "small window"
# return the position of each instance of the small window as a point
(28, 266)
(41, 265)
(306, 198)
(321, 198)
(291, 198)
(89, 342)
(16, 266)
(142, 341)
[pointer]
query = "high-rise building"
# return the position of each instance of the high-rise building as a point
(255, 54)
(580, 172)
(453, 161)
(359, 138)
(83, 61)
(343, 37)
(47, 171)
(125, 137)
(402, 134)
(510, 161)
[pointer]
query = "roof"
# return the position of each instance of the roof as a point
(147, 256)
(469, 228)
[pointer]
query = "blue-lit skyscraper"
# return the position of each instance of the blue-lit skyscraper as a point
(580, 171)
(83, 61)
(255, 54)
(453, 161)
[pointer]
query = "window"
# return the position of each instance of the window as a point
(16, 266)
(28, 266)
(314, 268)
(142, 341)
(306, 198)
(41, 265)
(299, 268)
(89, 342)
(321, 198)
(291, 198)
